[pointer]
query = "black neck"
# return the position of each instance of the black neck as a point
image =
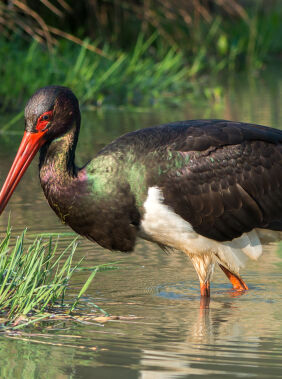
(59, 154)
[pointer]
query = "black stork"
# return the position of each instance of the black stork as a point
(209, 188)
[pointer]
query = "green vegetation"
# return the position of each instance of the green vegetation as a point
(34, 280)
(146, 57)
(123, 78)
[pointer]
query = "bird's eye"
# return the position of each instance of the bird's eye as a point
(44, 121)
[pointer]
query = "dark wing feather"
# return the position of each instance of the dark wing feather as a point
(223, 177)
(228, 190)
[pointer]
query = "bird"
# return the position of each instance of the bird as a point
(208, 188)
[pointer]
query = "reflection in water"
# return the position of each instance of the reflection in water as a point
(173, 337)
(222, 339)
(237, 336)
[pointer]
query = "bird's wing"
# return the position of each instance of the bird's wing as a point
(226, 190)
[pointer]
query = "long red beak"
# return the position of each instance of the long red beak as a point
(29, 146)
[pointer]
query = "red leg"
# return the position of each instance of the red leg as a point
(205, 289)
(237, 282)
(205, 295)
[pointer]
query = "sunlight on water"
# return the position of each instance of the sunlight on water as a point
(239, 336)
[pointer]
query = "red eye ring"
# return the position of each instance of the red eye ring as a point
(43, 121)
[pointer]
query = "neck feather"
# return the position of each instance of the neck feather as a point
(57, 157)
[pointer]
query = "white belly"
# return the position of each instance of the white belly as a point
(162, 225)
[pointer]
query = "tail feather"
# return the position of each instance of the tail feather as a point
(234, 254)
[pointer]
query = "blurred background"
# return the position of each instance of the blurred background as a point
(134, 64)
(136, 53)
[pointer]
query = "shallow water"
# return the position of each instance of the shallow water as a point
(170, 336)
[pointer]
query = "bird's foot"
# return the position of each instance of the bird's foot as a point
(237, 282)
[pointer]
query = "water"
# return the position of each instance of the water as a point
(169, 337)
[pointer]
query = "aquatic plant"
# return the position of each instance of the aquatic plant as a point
(34, 279)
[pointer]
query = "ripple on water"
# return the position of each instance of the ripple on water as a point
(239, 336)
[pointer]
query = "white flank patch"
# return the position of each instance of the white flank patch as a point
(162, 225)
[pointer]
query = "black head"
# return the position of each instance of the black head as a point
(50, 113)
(52, 110)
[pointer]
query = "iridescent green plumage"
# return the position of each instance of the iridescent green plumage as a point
(206, 187)
(185, 160)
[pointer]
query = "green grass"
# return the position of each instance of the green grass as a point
(151, 73)
(34, 279)
(144, 76)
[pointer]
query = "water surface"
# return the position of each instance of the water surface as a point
(239, 336)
